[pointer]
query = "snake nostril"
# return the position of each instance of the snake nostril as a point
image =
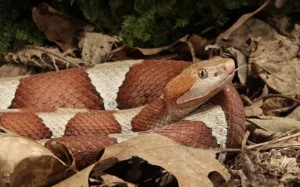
(216, 74)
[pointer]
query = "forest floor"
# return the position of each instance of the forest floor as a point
(268, 80)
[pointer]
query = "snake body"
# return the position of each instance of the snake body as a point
(139, 96)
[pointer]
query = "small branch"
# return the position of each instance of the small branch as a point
(272, 141)
(192, 51)
(282, 96)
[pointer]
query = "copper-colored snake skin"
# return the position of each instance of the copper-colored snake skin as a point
(66, 106)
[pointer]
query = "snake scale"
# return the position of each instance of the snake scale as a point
(90, 108)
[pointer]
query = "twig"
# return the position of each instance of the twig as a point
(192, 51)
(207, 30)
(272, 141)
(224, 150)
(245, 138)
(282, 96)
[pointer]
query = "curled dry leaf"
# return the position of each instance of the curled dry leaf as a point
(96, 47)
(127, 52)
(239, 22)
(277, 65)
(50, 58)
(180, 46)
(274, 106)
(26, 163)
(198, 44)
(282, 24)
(113, 181)
(241, 59)
(58, 27)
(276, 124)
(252, 28)
(190, 167)
(13, 70)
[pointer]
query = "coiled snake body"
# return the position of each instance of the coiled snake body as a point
(150, 96)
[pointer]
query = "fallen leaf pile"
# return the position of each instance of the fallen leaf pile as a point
(268, 79)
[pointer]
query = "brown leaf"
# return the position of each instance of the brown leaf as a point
(96, 47)
(295, 34)
(180, 46)
(113, 181)
(277, 167)
(252, 28)
(288, 140)
(282, 24)
(295, 114)
(13, 70)
(274, 106)
(276, 124)
(26, 163)
(198, 44)
(60, 28)
(241, 64)
(50, 58)
(254, 109)
(277, 65)
(189, 166)
(239, 22)
(280, 3)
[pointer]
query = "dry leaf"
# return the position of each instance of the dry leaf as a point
(273, 106)
(271, 163)
(276, 124)
(60, 28)
(254, 109)
(113, 181)
(44, 57)
(295, 34)
(13, 70)
(276, 64)
(282, 24)
(26, 163)
(241, 64)
(198, 44)
(280, 3)
(126, 52)
(189, 166)
(273, 168)
(239, 22)
(180, 46)
(295, 114)
(252, 28)
(96, 47)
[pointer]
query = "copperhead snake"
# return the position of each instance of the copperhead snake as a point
(192, 104)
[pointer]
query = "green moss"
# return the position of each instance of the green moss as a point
(143, 23)
(17, 28)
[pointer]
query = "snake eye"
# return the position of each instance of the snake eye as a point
(202, 73)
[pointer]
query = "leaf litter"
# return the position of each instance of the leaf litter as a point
(267, 55)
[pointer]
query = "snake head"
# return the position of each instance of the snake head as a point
(199, 82)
